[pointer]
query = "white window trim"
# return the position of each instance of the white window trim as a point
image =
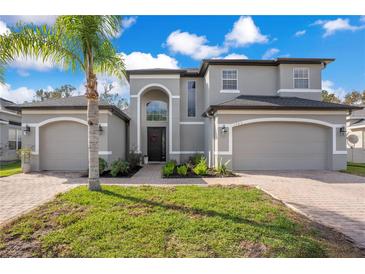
(229, 90)
(309, 82)
(187, 99)
(18, 132)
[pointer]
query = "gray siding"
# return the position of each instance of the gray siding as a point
(117, 138)
(252, 80)
(200, 107)
(286, 81)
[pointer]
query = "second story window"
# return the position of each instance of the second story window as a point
(229, 79)
(191, 98)
(301, 77)
(156, 111)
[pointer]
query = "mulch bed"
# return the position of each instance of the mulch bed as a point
(106, 174)
(193, 175)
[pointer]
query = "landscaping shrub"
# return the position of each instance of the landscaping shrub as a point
(201, 168)
(169, 168)
(103, 165)
(134, 159)
(196, 158)
(222, 169)
(119, 167)
(182, 170)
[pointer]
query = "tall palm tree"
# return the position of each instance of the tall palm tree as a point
(76, 43)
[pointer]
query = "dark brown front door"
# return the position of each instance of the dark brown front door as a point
(156, 143)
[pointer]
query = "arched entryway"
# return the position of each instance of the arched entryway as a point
(154, 120)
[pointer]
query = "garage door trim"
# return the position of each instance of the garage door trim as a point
(276, 119)
(51, 120)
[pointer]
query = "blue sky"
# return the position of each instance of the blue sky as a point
(182, 41)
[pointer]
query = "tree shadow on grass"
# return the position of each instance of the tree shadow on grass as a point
(200, 212)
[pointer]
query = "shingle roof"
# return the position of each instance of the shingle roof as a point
(74, 102)
(276, 102)
(199, 72)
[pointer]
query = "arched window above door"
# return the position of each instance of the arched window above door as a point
(156, 111)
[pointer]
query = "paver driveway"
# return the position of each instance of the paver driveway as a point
(22, 192)
(332, 198)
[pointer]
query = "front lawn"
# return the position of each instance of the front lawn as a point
(185, 221)
(7, 169)
(355, 168)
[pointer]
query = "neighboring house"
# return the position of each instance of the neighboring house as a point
(356, 126)
(56, 131)
(10, 131)
(256, 114)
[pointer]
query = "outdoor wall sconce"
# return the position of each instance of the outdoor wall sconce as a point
(26, 130)
(100, 129)
(224, 129)
(342, 131)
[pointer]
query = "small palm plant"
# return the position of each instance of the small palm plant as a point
(78, 43)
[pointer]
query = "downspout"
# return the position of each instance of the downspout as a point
(212, 129)
(127, 125)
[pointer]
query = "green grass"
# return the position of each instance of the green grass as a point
(10, 168)
(355, 168)
(185, 221)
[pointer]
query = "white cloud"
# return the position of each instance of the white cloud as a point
(330, 87)
(270, 53)
(192, 45)
(120, 86)
(235, 56)
(332, 26)
(141, 60)
(18, 95)
(3, 28)
(23, 72)
(35, 19)
(127, 22)
(245, 32)
(31, 63)
(300, 33)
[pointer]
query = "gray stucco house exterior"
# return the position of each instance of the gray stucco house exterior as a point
(56, 131)
(10, 131)
(255, 114)
(258, 114)
(356, 127)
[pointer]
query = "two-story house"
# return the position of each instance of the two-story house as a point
(258, 114)
(253, 114)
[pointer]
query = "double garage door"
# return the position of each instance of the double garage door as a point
(63, 146)
(280, 146)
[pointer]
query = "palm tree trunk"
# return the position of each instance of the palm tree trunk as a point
(93, 133)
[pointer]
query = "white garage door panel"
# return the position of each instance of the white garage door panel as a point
(63, 146)
(280, 146)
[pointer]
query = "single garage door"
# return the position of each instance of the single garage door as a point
(280, 146)
(63, 146)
